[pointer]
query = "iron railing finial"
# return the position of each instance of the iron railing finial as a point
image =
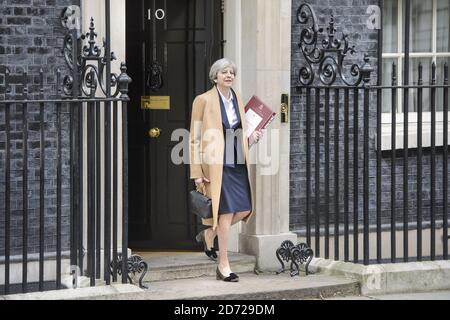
(366, 69)
(124, 80)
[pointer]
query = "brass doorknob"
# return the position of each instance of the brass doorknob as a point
(154, 132)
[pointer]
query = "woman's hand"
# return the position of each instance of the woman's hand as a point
(257, 135)
(199, 181)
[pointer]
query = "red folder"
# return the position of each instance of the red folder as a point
(258, 116)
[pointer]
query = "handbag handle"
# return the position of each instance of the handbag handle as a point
(201, 188)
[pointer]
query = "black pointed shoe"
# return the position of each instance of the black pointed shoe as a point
(233, 277)
(211, 253)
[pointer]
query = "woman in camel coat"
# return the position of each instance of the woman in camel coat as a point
(219, 161)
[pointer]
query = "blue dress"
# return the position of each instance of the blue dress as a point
(235, 192)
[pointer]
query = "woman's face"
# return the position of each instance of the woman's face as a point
(225, 77)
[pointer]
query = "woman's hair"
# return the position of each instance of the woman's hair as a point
(218, 66)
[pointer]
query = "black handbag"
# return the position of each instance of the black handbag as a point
(200, 204)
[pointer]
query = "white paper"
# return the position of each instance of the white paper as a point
(253, 120)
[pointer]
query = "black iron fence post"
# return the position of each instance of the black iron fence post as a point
(58, 184)
(346, 175)
(123, 81)
(7, 191)
(379, 115)
(336, 174)
(355, 175)
(419, 163)
(25, 185)
(406, 132)
(42, 184)
(445, 167)
(115, 211)
(393, 160)
(98, 192)
(308, 166)
(317, 194)
(433, 164)
(327, 173)
(91, 186)
(366, 71)
(107, 185)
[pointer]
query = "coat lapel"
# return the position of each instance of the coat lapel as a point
(236, 106)
(241, 110)
(223, 111)
(244, 126)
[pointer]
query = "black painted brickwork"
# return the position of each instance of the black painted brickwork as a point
(31, 38)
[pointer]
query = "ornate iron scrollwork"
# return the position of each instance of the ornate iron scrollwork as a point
(154, 76)
(329, 55)
(296, 254)
(135, 264)
(91, 75)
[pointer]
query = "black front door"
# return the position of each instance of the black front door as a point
(170, 46)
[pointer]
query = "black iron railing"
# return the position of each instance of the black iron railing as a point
(76, 94)
(327, 85)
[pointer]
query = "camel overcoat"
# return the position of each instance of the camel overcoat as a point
(207, 145)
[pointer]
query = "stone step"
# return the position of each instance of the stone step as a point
(265, 286)
(165, 267)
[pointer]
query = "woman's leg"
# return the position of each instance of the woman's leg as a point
(223, 231)
(210, 234)
(239, 216)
